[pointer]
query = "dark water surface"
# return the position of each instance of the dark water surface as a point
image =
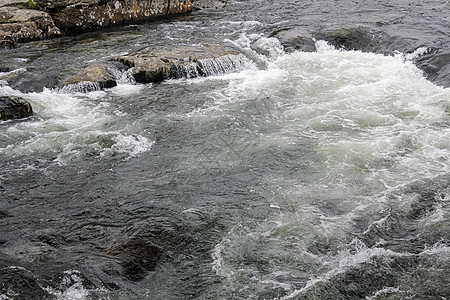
(319, 175)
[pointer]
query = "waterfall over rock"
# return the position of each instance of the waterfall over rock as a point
(209, 66)
(151, 65)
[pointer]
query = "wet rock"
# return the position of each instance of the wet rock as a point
(22, 25)
(434, 63)
(30, 80)
(142, 246)
(74, 16)
(20, 283)
(190, 61)
(138, 258)
(14, 108)
(356, 38)
(96, 76)
(436, 66)
(204, 4)
(295, 39)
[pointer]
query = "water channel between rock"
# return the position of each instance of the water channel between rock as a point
(303, 172)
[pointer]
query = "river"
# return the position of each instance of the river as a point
(305, 175)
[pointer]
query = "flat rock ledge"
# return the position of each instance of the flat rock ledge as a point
(75, 16)
(149, 65)
(12, 107)
(23, 25)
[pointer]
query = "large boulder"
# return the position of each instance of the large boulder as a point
(96, 76)
(151, 65)
(12, 107)
(74, 16)
(22, 25)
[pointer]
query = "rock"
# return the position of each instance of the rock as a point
(96, 76)
(434, 63)
(22, 25)
(204, 4)
(354, 38)
(295, 39)
(190, 61)
(30, 79)
(74, 16)
(138, 258)
(20, 283)
(142, 246)
(436, 66)
(14, 108)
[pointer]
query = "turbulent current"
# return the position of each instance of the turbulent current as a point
(304, 175)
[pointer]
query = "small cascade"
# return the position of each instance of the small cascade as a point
(222, 65)
(80, 87)
(189, 70)
(122, 76)
(210, 66)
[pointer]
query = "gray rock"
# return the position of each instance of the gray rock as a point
(295, 39)
(436, 66)
(30, 80)
(204, 4)
(21, 283)
(151, 65)
(22, 25)
(73, 16)
(353, 38)
(12, 107)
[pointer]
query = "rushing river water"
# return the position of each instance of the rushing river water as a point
(320, 175)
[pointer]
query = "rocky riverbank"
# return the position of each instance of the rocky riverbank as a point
(23, 21)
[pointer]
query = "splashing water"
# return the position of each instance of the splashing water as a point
(284, 176)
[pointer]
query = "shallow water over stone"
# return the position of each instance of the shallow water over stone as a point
(307, 175)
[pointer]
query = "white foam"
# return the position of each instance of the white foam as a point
(71, 124)
(376, 126)
(383, 292)
(132, 144)
(72, 288)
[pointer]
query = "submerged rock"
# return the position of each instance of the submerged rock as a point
(22, 25)
(12, 107)
(190, 61)
(96, 76)
(74, 16)
(141, 247)
(138, 258)
(20, 283)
